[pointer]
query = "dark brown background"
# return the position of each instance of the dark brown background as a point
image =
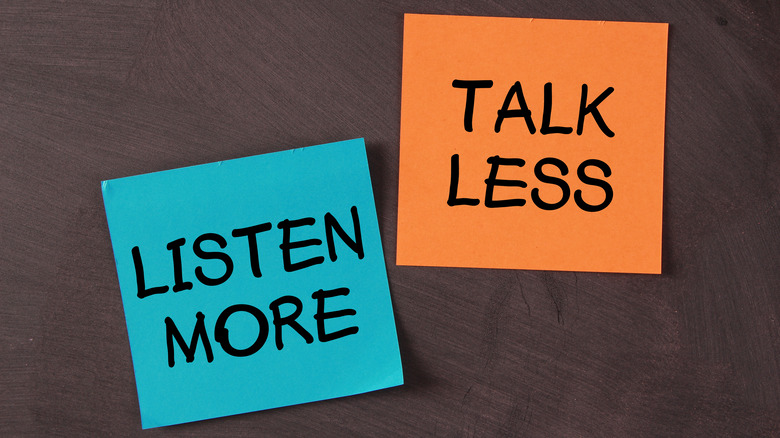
(98, 90)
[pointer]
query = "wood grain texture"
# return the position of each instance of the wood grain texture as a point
(92, 90)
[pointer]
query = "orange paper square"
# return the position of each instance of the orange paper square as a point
(621, 236)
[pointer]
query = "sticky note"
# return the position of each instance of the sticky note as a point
(253, 283)
(531, 144)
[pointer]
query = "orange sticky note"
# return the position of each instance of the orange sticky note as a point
(532, 144)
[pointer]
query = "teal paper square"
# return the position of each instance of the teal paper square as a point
(150, 211)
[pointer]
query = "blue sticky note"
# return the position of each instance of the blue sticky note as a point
(253, 283)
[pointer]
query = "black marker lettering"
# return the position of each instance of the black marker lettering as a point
(211, 255)
(592, 108)
(175, 248)
(322, 315)
(171, 333)
(505, 112)
(143, 292)
(491, 182)
(280, 321)
(541, 176)
(453, 199)
(546, 128)
(221, 333)
(286, 245)
(355, 245)
(251, 235)
(594, 182)
(471, 90)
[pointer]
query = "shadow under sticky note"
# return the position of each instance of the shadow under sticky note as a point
(253, 283)
(532, 144)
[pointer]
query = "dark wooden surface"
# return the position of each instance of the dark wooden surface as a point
(105, 89)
